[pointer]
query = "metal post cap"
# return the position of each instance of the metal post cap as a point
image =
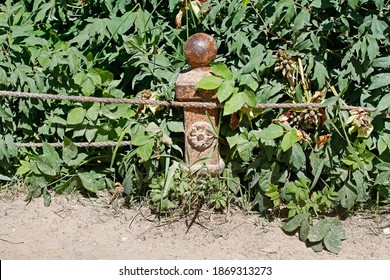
(199, 50)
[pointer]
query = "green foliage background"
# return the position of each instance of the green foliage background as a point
(119, 48)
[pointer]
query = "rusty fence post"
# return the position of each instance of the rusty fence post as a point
(201, 142)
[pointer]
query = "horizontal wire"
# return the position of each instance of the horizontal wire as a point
(77, 144)
(205, 105)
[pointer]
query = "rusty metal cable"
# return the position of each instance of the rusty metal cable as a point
(206, 105)
(77, 144)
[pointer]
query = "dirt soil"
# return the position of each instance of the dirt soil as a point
(81, 228)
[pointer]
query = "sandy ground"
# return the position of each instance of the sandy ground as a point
(81, 228)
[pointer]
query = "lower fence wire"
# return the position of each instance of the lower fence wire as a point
(77, 144)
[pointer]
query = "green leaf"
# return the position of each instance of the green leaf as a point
(295, 222)
(347, 197)
(383, 166)
(33, 41)
(271, 132)
(379, 4)
(315, 40)
(234, 140)
(76, 116)
(332, 241)
(335, 235)
(105, 132)
(381, 62)
(298, 157)
(152, 129)
(114, 111)
(380, 80)
(78, 160)
(67, 187)
(145, 151)
(11, 147)
(372, 48)
(378, 27)
(225, 91)
(330, 231)
(384, 104)
(233, 181)
(301, 20)
(25, 167)
(169, 182)
(94, 75)
(351, 161)
(139, 139)
(318, 231)
(69, 150)
(105, 76)
(46, 197)
(44, 166)
(383, 178)
(35, 184)
(320, 74)
(221, 70)
(49, 163)
(4, 115)
(272, 191)
(249, 98)
(5, 178)
(317, 246)
(383, 143)
(361, 186)
(209, 83)
(128, 185)
(353, 4)
(80, 78)
(88, 81)
(174, 126)
(89, 182)
(245, 149)
(42, 11)
(50, 152)
(304, 230)
(317, 164)
(238, 17)
(93, 112)
(234, 104)
(302, 41)
(289, 139)
(247, 79)
(245, 2)
(90, 134)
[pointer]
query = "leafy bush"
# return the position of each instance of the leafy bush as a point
(310, 161)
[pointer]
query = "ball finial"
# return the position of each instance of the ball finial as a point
(199, 50)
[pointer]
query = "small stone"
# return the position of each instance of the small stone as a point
(386, 231)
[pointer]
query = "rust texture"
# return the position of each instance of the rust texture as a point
(199, 50)
(186, 83)
(201, 142)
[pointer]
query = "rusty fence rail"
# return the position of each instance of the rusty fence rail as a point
(183, 104)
